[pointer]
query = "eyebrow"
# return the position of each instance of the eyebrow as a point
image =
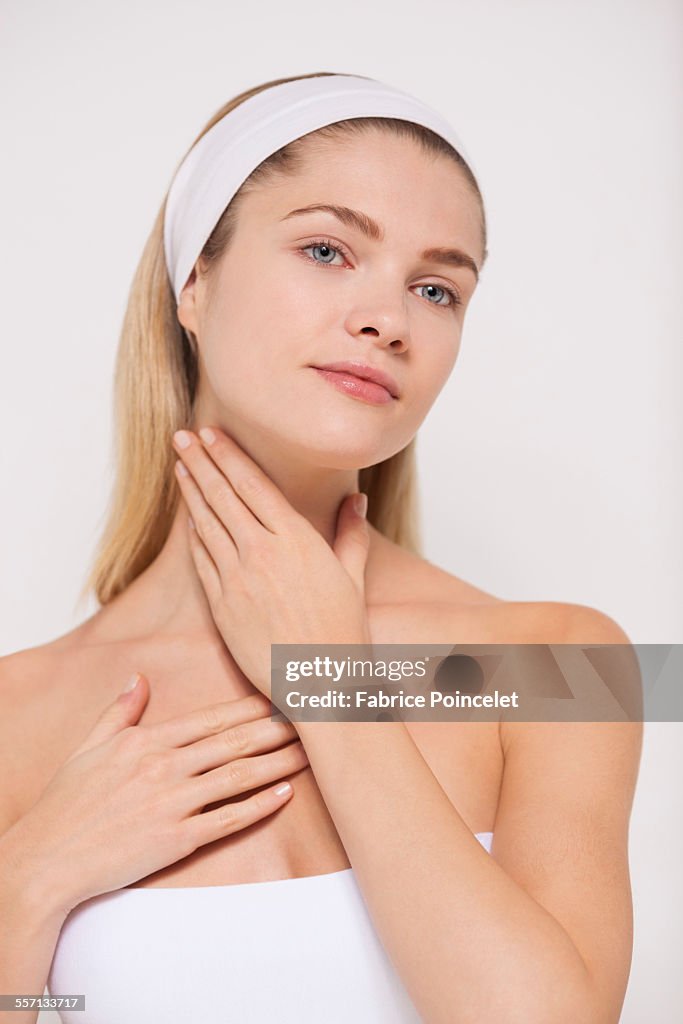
(371, 229)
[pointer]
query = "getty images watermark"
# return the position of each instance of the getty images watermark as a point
(478, 682)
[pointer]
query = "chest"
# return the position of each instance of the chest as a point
(299, 839)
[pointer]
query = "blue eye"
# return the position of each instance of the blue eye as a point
(322, 245)
(331, 250)
(455, 301)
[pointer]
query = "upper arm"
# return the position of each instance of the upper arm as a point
(561, 829)
(20, 674)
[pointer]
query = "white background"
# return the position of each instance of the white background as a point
(550, 465)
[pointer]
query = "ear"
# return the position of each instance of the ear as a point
(188, 302)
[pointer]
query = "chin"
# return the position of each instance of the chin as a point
(346, 452)
(344, 438)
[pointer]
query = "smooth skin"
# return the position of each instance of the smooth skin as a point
(131, 799)
(268, 577)
(509, 931)
(161, 778)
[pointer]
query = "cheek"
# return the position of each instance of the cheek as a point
(265, 313)
(431, 373)
(252, 364)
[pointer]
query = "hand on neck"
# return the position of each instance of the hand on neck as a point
(169, 597)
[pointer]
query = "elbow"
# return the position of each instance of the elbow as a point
(580, 1005)
(548, 1008)
(556, 1001)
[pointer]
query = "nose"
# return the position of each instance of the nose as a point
(384, 321)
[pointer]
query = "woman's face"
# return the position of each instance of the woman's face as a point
(297, 291)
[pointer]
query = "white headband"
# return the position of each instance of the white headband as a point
(225, 156)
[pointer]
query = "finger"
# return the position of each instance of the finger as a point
(244, 740)
(241, 776)
(123, 712)
(213, 531)
(212, 719)
(218, 495)
(224, 821)
(207, 570)
(258, 492)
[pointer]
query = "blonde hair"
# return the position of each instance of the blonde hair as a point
(156, 378)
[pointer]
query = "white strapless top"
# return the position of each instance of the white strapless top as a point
(290, 951)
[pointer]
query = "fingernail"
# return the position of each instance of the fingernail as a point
(182, 439)
(284, 788)
(361, 503)
(207, 435)
(132, 683)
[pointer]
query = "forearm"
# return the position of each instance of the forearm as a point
(469, 943)
(30, 923)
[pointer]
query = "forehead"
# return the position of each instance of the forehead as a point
(392, 179)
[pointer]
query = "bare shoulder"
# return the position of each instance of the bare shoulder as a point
(27, 676)
(24, 683)
(21, 677)
(399, 579)
(36, 721)
(549, 622)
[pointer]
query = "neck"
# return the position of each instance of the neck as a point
(169, 597)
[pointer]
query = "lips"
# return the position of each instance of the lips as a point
(364, 372)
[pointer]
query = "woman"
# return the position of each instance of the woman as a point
(414, 871)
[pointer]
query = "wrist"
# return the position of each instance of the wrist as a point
(28, 883)
(340, 735)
